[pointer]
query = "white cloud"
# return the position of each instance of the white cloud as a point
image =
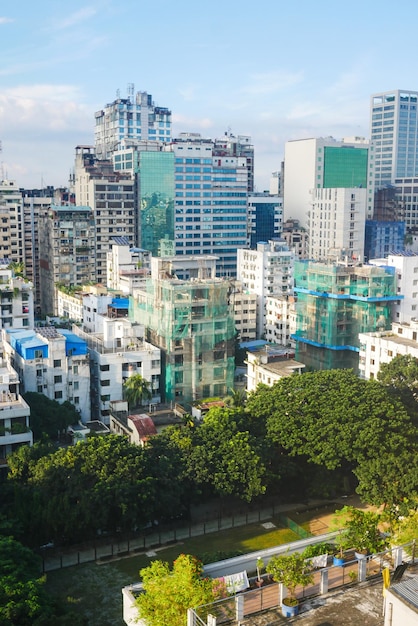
(75, 18)
(185, 123)
(6, 20)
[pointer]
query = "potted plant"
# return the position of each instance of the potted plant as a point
(341, 542)
(259, 565)
(362, 532)
(291, 570)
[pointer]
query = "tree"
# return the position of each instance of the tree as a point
(18, 268)
(236, 398)
(359, 530)
(48, 417)
(136, 389)
(169, 593)
(335, 420)
(407, 529)
(400, 375)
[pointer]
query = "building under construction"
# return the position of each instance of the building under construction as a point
(334, 304)
(185, 311)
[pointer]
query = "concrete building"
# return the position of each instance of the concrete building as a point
(51, 361)
(11, 220)
(138, 429)
(269, 364)
(334, 304)
(111, 196)
(16, 299)
(244, 306)
(405, 266)
(14, 414)
(135, 118)
(401, 602)
(192, 322)
(117, 351)
(279, 318)
(320, 163)
(336, 223)
(265, 217)
(127, 267)
(67, 252)
(382, 346)
(296, 238)
(266, 271)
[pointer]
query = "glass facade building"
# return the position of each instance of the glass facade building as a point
(345, 167)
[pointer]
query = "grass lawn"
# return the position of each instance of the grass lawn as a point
(95, 589)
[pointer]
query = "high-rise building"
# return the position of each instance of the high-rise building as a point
(336, 223)
(11, 221)
(393, 136)
(135, 118)
(67, 251)
(211, 189)
(266, 271)
(265, 217)
(321, 163)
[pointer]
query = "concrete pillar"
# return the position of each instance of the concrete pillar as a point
(190, 617)
(323, 585)
(362, 570)
(282, 593)
(211, 620)
(239, 608)
(397, 557)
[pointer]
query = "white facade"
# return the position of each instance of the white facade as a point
(133, 118)
(16, 300)
(117, 352)
(53, 362)
(279, 319)
(296, 237)
(70, 306)
(304, 171)
(127, 267)
(266, 271)
(381, 347)
(401, 603)
(337, 223)
(268, 365)
(244, 305)
(405, 309)
(11, 218)
(14, 414)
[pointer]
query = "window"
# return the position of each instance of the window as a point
(105, 383)
(38, 353)
(57, 362)
(104, 368)
(57, 379)
(75, 369)
(58, 395)
(76, 385)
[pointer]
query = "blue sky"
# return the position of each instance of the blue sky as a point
(271, 69)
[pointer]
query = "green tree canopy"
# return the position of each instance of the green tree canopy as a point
(400, 375)
(48, 417)
(170, 592)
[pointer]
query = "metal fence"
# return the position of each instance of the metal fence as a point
(103, 549)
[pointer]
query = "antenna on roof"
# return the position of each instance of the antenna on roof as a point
(131, 91)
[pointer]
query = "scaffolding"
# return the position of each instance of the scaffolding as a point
(193, 325)
(334, 304)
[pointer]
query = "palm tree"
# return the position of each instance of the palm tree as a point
(236, 398)
(18, 268)
(136, 389)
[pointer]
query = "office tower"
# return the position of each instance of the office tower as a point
(135, 118)
(320, 163)
(237, 146)
(211, 188)
(393, 137)
(67, 251)
(265, 217)
(296, 237)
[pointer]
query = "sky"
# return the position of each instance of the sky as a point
(273, 69)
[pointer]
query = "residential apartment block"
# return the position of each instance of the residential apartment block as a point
(383, 346)
(14, 414)
(51, 361)
(268, 364)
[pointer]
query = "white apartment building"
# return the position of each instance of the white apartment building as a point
(117, 352)
(336, 223)
(51, 361)
(320, 162)
(132, 119)
(405, 267)
(11, 221)
(269, 364)
(266, 271)
(14, 414)
(127, 267)
(279, 319)
(296, 237)
(16, 300)
(244, 305)
(381, 347)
